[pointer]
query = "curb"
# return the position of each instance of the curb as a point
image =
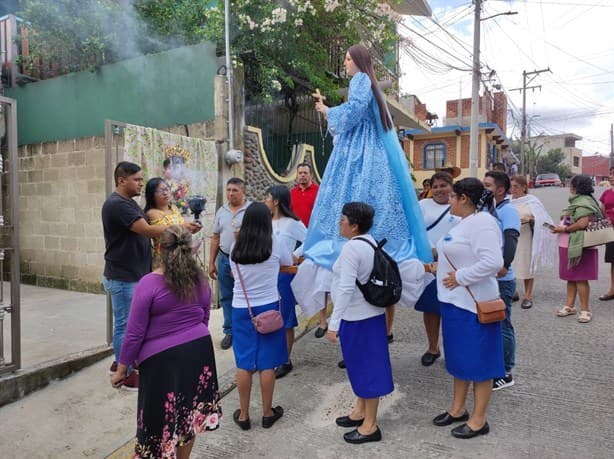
(19, 384)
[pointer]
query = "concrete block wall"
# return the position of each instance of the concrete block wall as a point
(61, 192)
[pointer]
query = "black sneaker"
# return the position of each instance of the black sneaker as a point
(226, 342)
(341, 364)
(516, 297)
(283, 369)
(502, 383)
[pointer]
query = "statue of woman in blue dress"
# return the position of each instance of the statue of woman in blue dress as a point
(367, 164)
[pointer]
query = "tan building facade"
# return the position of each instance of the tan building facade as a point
(567, 144)
(448, 145)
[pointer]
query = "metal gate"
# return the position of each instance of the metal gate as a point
(10, 360)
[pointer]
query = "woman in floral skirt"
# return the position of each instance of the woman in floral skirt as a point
(168, 336)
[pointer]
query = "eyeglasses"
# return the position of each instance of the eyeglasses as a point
(163, 191)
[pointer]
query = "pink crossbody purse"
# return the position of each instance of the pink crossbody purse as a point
(266, 322)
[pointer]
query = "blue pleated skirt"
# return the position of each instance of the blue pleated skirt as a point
(288, 302)
(428, 301)
(364, 346)
(473, 351)
(254, 351)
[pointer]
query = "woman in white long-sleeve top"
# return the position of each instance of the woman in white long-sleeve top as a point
(470, 257)
(361, 327)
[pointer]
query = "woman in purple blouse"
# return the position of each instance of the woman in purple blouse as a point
(167, 336)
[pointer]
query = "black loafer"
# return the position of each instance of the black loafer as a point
(283, 369)
(345, 421)
(268, 421)
(245, 425)
(445, 419)
(428, 358)
(341, 364)
(320, 332)
(390, 338)
(226, 342)
(464, 431)
(356, 437)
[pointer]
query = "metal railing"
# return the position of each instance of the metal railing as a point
(9, 229)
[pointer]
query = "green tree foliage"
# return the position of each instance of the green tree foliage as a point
(289, 46)
(552, 161)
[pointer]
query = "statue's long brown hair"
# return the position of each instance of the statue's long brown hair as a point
(181, 272)
(361, 57)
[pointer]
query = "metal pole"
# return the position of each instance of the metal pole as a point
(229, 74)
(523, 128)
(475, 94)
(15, 273)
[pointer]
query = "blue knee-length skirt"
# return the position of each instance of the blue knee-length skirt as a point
(288, 302)
(254, 351)
(474, 351)
(428, 301)
(364, 345)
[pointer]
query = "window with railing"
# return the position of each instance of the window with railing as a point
(434, 155)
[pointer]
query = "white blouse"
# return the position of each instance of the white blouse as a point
(432, 211)
(290, 231)
(355, 262)
(260, 278)
(474, 248)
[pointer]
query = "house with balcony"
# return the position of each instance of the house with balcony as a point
(449, 144)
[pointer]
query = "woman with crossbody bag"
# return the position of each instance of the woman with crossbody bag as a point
(255, 259)
(473, 350)
(438, 221)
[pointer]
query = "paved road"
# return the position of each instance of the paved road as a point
(562, 405)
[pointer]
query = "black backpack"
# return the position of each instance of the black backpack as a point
(383, 288)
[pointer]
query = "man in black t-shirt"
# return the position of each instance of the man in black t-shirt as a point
(127, 250)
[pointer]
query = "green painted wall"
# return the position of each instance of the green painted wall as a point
(157, 90)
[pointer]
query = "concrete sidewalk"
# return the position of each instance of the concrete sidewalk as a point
(82, 415)
(562, 405)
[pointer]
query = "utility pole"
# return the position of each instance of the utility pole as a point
(474, 132)
(475, 93)
(523, 128)
(611, 145)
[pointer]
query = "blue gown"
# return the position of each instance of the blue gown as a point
(367, 164)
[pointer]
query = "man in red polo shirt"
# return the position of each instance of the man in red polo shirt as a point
(303, 195)
(303, 198)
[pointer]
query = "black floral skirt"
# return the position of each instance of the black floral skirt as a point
(178, 397)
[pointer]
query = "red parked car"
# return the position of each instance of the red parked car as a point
(548, 179)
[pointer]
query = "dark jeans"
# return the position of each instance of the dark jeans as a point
(226, 283)
(506, 290)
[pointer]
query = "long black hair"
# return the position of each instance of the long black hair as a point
(362, 58)
(281, 194)
(255, 241)
(150, 192)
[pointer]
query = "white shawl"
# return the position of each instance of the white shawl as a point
(544, 247)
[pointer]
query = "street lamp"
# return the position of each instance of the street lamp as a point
(475, 87)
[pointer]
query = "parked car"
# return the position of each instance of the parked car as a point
(548, 179)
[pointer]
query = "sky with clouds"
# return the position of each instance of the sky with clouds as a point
(574, 38)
